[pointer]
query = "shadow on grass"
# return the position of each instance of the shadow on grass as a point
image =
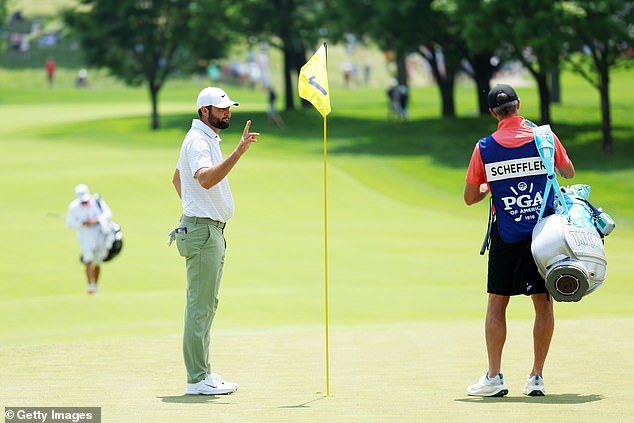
(303, 404)
(448, 141)
(548, 399)
(193, 399)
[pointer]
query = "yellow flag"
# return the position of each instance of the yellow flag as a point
(313, 81)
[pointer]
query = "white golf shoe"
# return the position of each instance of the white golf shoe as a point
(534, 386)
(213, 384)
(488, 387)
(222, 381)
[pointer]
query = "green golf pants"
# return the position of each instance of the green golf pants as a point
(203, 247)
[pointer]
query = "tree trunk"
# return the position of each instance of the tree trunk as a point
(288, 83)
(299, 59)
(555, 86)
(483, 71)
(447, 83)
(544, 97)
(446, 94)
(482, 93)
(606, 121)
(294, 59)
(401, 70)
(444, 81)
(154, 89)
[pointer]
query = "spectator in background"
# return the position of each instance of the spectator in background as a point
(393, 97)
(346, 67)
(403, 100)
(16, 40)
(367, 70)
(274, 117)
(82, 78)
(50, 70)
(213, 72)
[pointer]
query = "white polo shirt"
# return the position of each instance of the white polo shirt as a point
(201, 148)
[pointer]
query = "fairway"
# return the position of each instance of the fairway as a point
(407, 286)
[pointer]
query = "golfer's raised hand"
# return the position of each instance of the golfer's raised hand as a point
(247, 138)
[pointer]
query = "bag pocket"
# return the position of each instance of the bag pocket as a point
(181, 241)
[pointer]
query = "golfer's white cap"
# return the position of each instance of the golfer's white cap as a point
(213, 96)
(82, 192)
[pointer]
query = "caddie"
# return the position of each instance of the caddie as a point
(506, 164)
(90, 216)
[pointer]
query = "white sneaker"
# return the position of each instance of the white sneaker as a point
(534, 386)
(488, 387)
(92, 288)
(222, 381)
(211, 385)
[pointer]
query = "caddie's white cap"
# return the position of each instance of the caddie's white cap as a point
(213, 96)
(82, 192)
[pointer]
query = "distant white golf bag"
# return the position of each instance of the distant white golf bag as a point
(113, 241)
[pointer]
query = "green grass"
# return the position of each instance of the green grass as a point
(406, 282)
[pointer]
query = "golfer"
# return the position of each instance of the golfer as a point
(504, 164)
(201, 182)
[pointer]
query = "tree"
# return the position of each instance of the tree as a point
(3, 21)
(398, 27)
(479, 52)
(430, 28)
(444, 50)
(146, 41)
(292, 26)
(601, 37)
(483, 66)
(530, 31)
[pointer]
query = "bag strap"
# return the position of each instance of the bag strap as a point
(545, 142)
(97, 198)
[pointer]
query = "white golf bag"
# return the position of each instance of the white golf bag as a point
(569, 255)
(568, 246)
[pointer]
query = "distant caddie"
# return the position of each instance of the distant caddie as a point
(90, 216)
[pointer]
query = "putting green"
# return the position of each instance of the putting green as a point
(392, 372)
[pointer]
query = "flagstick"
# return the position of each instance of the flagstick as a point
(326, 258)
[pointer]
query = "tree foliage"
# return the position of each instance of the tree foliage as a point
(601, 37)
(146, 41)
(3, 21)
(292, 26)
(410, 26)
(480, 53)
(530, 32)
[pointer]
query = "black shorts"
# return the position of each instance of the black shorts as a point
(512, 269)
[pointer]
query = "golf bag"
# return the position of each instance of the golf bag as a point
(113, 241)
(568, 245)
(111, 237)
